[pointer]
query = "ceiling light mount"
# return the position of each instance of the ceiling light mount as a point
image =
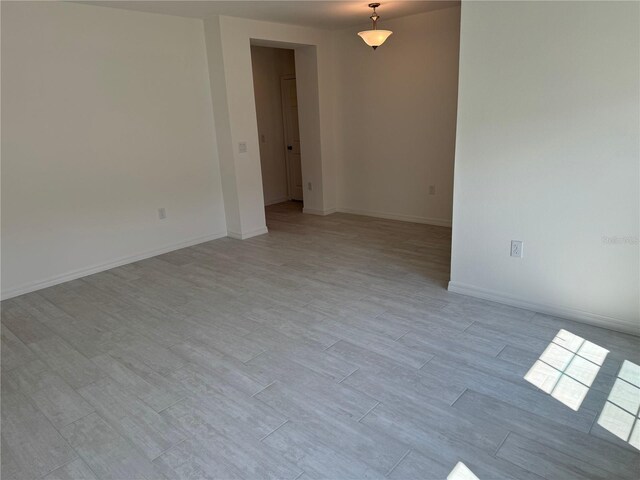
(374, 37)
(375, 16)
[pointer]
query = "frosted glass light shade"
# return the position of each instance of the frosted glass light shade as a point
(375, 38)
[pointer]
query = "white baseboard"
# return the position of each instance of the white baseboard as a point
(83, 272)
(313, 211)
(248, 234)
(440, 222)
(279, 200)
(554, 310)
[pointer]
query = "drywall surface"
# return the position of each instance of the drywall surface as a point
(548, 153)
(396, 118)
(106, 117)
(269, 66)
(229, 41)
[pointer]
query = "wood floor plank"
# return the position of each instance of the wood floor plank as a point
(190, 460)
(546, 461)
(519, 393)
(361, 357)
(299, 445)
(75, 470)
(23, 325)
(336, 427)
(414, 465)
(270, 367)
(415, 356)
(404, 386)
(87, 339)
(73, 367)
(440, 338)
(579, 445)
(106, 453)
(153, 389)
(228, 440)
(319, 361)
(59, 402)
(428, 425)
(327, 348)
(230, 370)
(481, 464)
(231, 343)
(14, 352)
(291, 322)
(34, 446)
(131, 418)
(10, 465)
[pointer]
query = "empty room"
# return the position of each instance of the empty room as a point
(320, 240)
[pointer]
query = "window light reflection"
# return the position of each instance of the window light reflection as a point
(461, 472)
(621, 411)
(567, 368)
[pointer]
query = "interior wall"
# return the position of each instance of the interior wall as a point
(269, 66)
(228, 46)
(548, 150)
(106, 117)
(396, 118)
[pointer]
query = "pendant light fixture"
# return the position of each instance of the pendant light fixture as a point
(374, 37)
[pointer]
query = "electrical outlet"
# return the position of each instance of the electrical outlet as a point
(432, 189)
(162, 213)
(309, 186)
(516, 248)
(242, 147)
(263, 139)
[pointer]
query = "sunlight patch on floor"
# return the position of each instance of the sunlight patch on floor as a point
(621, 411)
(567, 368)
(461, 472)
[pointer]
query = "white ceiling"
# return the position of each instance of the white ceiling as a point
(331, 15)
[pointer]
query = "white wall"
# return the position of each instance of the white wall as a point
(269, 66)
(548, 153)
(106, 117)
(228, 46)
(396, 118)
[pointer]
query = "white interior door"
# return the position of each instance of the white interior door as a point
(292, 136)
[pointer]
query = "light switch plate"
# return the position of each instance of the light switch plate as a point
(516, 248)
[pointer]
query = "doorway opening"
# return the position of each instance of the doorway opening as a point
(275, 90)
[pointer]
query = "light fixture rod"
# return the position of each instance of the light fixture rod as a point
(374, 17)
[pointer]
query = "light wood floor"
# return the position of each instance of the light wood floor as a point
(328, 348)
